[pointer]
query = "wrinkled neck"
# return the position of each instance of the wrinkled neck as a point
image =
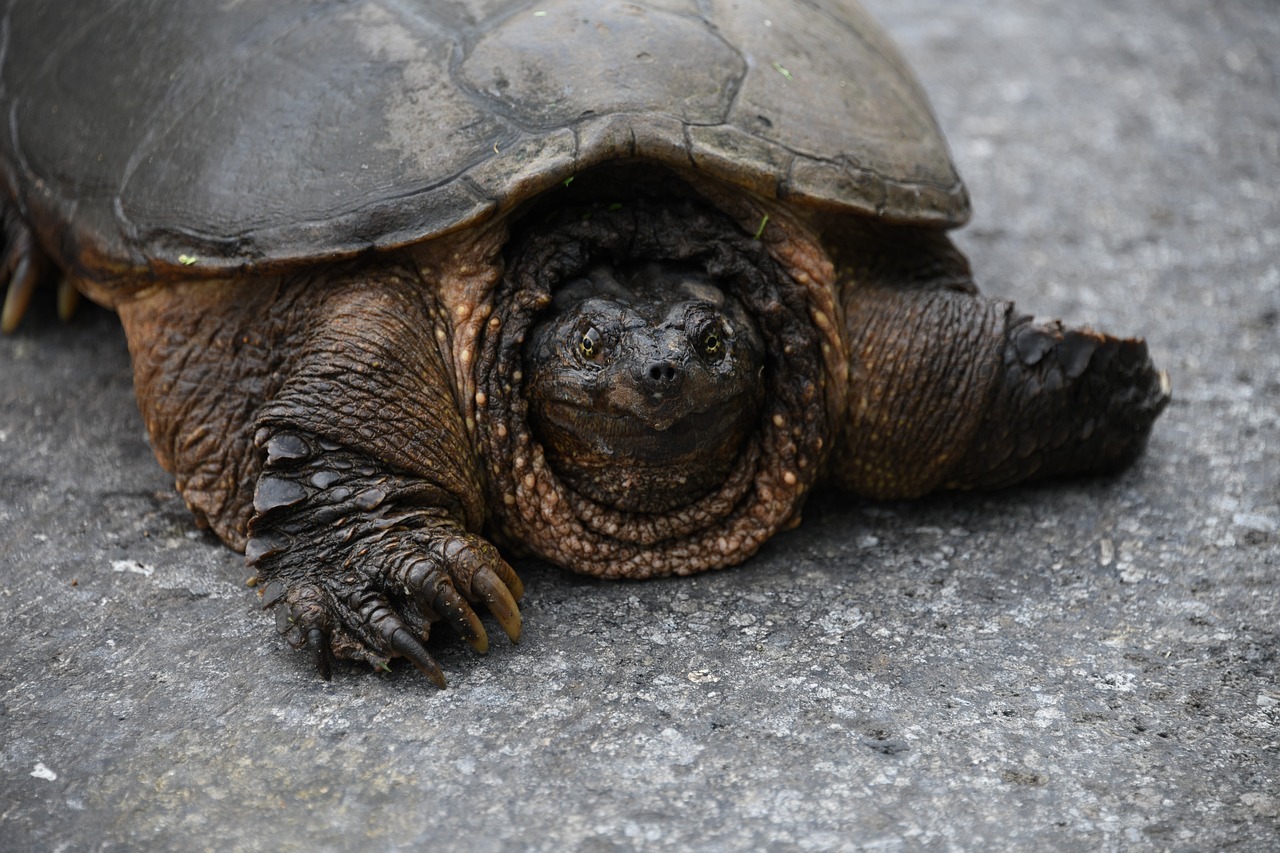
(534, 508)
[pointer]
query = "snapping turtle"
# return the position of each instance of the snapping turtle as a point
(612, 284)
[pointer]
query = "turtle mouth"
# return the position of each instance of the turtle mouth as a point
(660, 435)
(663, 457)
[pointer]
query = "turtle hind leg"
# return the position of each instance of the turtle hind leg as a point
(23, 268)
(1066, 401)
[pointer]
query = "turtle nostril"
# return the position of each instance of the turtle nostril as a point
(662, 372)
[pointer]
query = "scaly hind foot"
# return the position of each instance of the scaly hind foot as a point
(23, 267)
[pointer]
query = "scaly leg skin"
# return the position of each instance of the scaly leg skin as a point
(949, 390)
(312, 421)
(359, 562)
(1065, 401)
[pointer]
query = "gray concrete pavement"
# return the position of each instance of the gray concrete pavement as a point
(1080, 666)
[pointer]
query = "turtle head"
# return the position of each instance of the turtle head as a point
(644, 384)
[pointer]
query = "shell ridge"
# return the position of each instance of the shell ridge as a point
(457, 112)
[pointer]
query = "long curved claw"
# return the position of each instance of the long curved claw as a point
(432, 589)
(454, 609)
(403, 643)
(482, 575)
(22, 284)
(383, 629)
(510, 580)
(318, 646)
(373, 593)
(68, 300)
(497, 596)
(23, 268)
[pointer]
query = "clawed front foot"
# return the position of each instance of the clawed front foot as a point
(358, 562)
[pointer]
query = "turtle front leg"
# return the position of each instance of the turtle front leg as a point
(313, 422)
(360, 560)
(949, 390)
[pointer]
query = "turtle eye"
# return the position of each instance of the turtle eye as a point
(713, 343)
(589, 344)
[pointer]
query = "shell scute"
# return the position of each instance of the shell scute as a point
(186, 137)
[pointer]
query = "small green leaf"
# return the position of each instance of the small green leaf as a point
(539, 14)
(568, 180)
(760, 230)
(777, 66)
(187, 260)
(617, 205)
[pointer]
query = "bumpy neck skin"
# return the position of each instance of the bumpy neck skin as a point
(684, 480)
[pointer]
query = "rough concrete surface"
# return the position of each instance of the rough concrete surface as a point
(1079, 666)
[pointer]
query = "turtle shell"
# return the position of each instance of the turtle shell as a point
(189, 136)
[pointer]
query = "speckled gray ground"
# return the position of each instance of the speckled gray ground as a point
(1077, 667)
